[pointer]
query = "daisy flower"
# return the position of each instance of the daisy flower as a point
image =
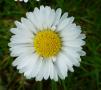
(25, 0)
(46, 44)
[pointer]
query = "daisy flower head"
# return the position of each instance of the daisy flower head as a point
(25, 0)
(46, 44)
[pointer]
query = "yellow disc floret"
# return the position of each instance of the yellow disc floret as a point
(47, 43)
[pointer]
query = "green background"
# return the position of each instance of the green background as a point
(87, 14)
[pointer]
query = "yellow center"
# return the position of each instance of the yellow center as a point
(47, 43)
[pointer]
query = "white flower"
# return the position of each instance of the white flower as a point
(25, 0)
(46, 44)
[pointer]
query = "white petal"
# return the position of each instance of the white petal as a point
(21, 49)
(28, 25)
(61, 67)
(22, 29)
(52, 16)
(81, 36)
(51, 66)
(57, 16)
(21, 39)
(47, 69)
(33, 19)
(40, 74)
(36, 67)
(14, 30)
(72, 51)
(66, 61)
(38, 17)
(20, 32)
(28, 68)
(22, 60)
(25, 44)
(70, 33)
(20, 25)
(33, 68)
(64, 23)
(46, 21)
(82, 53)
(72, 56)
(74, 43)
(55, 74)
(47, 16)
(64, 16)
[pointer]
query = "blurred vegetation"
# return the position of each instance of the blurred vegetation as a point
(87, 13)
